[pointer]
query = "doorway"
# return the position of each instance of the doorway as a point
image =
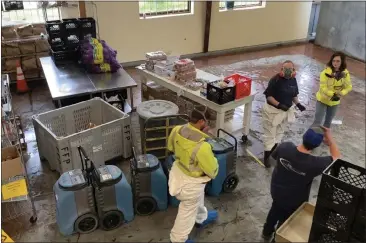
(314, 17)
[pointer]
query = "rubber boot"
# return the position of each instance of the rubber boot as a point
(212, 216)
(274, 147)
(266, 159)
(267, 234)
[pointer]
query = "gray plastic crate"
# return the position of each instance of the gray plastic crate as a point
(60, 132)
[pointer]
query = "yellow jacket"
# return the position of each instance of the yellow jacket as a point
(193, 155)
(328, 86)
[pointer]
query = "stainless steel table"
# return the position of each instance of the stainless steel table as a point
(70, 81)
(106, 82)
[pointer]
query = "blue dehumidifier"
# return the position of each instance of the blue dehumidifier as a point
(225, 152)
(112, 193)
(167, 167)
(113, 196)
(75, 207)
(149, 184)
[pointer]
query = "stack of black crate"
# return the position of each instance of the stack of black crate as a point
(340, 209)
(66, 35)
(87, 28)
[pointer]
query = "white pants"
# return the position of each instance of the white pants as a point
(190, 192)
(274, 123)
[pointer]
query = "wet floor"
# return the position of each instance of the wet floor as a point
(243, 212)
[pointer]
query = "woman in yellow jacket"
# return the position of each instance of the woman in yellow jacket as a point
(335, 82)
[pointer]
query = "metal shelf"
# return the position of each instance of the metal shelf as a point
(24, 39)
(26, 55)
(17, 206)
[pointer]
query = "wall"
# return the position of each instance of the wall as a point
(71, 11)
(276, 22)
(341, 27)
(120, 25)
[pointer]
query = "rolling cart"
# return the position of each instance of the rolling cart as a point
(156, 132)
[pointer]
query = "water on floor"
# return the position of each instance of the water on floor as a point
(242, 213)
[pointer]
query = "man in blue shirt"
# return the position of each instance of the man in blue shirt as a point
(294, 173)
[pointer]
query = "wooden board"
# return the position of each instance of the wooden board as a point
(297, 227)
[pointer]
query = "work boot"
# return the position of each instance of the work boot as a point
(266, 161)
(274, 147)
(267, 234)
(212, 216)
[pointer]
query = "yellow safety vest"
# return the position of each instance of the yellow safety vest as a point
(187, 143)
(328, 86)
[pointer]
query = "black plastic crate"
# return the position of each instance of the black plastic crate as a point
(86, 23)
(323, 234)
(71, 26)
(359, 228)
(220, 95)
(54, 27)
(359, 225)
(330, 218)
(72, 41)
(64, 57)
(56, 42)
(341, 186)
(57, 48)
(87, 28)
(86, 35)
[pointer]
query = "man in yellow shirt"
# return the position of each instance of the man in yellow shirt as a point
(194, 166)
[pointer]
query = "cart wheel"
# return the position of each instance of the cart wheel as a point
(244, 138)
(145, 206)
(86, 223)
(112, 220)
(230, 183)
(33, 219)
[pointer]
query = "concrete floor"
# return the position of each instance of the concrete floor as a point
(243, 212)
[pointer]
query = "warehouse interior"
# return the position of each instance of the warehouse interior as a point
(253, 39)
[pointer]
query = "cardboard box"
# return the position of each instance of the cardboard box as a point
(11, 163)
(297, 227)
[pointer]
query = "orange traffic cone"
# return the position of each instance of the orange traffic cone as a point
(22, 86)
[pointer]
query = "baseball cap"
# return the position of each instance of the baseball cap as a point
(313, 136)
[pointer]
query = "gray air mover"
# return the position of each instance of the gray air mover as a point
(113, 197)
(75, 205)
(149, 184)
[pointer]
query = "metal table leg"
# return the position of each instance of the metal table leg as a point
(246, 120)
(220, 122)
(131, 97)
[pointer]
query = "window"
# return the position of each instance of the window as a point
(225, 5)
(32, 13)
(150, 8)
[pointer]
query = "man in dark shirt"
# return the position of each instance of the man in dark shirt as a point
(294, 173)
(280, 94)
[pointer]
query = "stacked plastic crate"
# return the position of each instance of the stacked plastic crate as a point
(340, 210)
(65, 35)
